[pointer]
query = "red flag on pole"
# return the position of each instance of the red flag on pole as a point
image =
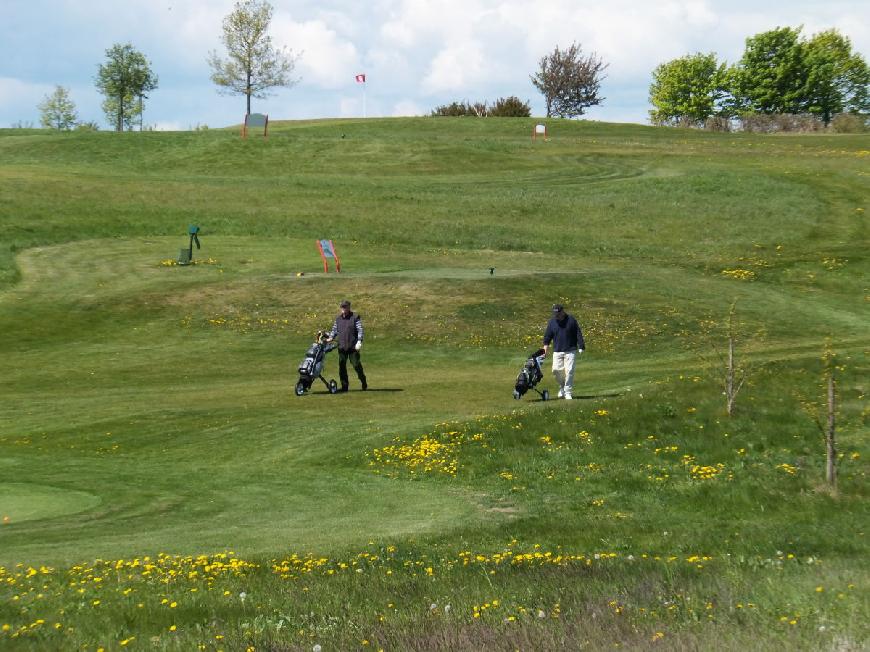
(361, 79)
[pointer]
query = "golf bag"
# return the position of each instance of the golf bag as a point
(530, 375)
(311, 367)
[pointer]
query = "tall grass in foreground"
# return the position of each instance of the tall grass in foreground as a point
(770, 562)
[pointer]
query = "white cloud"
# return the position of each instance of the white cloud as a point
(407, 108)
(456, 68)
(398, 33)
(16, 91)
(19, 100)
(327, 59)
(349, 107)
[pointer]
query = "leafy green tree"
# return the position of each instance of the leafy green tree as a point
(838, 79)
(452, 110)
(130, 112)
(688, 89)
(510, 107)
(569, 82)
(124, 80)
(772, 74)
(504, 107)
(58, 111)
(252, 65)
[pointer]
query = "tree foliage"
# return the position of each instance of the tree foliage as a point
(689, 89)
(58, 111)
(461, 109)
(781, 83)
(837, 78)
(510, 107)
(569, 81)
(125, 80)
(504, 107)
(771, 75)
(253, 65)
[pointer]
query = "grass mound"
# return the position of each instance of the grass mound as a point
(179, 495)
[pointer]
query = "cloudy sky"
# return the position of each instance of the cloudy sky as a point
(416, 54)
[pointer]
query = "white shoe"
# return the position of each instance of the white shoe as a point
(568, 397)
(561, 393)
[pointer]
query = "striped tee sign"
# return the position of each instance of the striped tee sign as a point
(327, 250)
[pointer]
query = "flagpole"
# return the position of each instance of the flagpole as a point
(361, 79)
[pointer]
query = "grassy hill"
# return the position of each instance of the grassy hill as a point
(152, 451)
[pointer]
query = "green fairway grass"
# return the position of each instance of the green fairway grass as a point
(152, 452)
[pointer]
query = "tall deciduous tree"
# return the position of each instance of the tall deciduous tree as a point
(771, 76)
(252, 65)
(569, 82)
(689, 88)
(58, 111)
(125, 80)
(837, 78)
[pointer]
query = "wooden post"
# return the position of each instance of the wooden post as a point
(731, 389)
(830, 443)
(729, 375)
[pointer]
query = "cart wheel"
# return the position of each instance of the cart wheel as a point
(333, 387)
(300, 388)
(545, 395)
(517, 395)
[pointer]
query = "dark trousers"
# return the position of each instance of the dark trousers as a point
(353, 356)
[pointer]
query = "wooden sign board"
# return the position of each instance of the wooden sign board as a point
(256, 121)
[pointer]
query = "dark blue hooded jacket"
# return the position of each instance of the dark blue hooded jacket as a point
(565, 334)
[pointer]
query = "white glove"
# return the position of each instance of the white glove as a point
(358, 345)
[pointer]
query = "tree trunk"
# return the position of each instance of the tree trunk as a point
(729, 373)
(120, 124)
(830, 445)
(248, 93)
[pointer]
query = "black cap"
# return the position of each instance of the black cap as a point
(558, 307)
(344, 304)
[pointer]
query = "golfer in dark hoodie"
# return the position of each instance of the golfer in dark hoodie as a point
(567, 338)
(348, 329)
